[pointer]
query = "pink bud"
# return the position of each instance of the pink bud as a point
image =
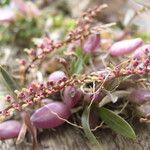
(9, 129)
(125, 47)
(92, 43)
(141, 51)
(47, 116)
(139, 96)
(8, 98)
(56, 76)
(72, 96)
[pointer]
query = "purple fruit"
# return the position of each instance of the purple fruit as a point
(47, 116)
(72, 96)
(141, 51)
(139, 96)
(125, 47)
(92, 43)
(56, 76)
(9, 129)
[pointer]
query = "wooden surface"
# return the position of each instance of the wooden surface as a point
(69, 138)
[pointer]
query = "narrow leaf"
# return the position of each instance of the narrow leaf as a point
(88, 132)
(77, 64)
(10, 84)
(117, 123)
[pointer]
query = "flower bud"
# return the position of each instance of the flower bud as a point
(56, 76)
(72, 96)
(9, 129)
(125, 47)
(49, 116)
(92, 43)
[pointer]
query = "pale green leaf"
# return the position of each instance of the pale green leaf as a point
(8, 81)
(77, 64)
(88, 132)
(117, 123)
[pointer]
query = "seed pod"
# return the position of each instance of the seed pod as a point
(141, 51)
(9, 129)
(47, 116)
(56, 76)
(125, 47)
(72, 96)
(92, 43)
(139, 96)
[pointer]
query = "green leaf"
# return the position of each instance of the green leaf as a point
(88, 132)
(4, 2)
(77, 64)
(8, 81)
(117, 123)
